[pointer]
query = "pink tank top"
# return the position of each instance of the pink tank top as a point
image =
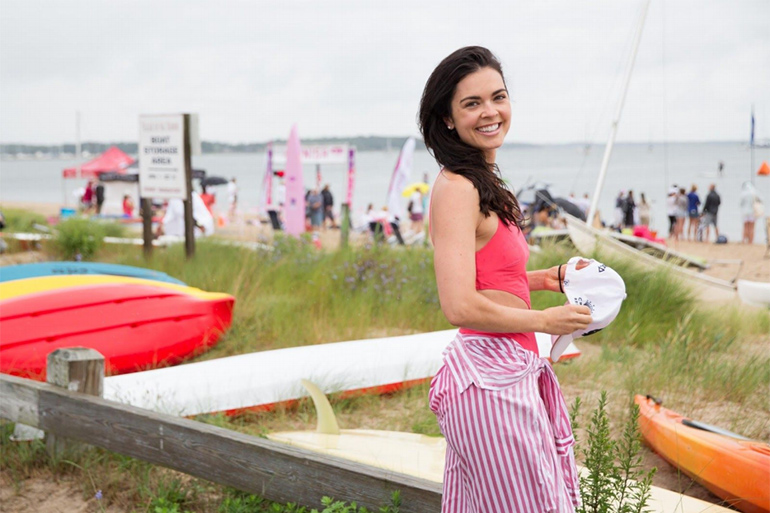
(502, 265)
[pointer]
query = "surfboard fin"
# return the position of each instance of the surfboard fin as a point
(327, 421)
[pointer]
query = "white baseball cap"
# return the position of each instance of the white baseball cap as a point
(596, 286)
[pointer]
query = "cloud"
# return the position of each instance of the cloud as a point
(252, 69)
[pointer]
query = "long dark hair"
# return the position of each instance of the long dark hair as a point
(446, 146)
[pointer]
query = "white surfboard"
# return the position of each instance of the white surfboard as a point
(271, 377)
(423, 456)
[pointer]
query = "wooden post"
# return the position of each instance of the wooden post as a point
(344, 225)
(146, 209)
(189, 220)
(78, 369)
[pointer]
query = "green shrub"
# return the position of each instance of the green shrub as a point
(22, 220)
(613, 481)
(78, 239)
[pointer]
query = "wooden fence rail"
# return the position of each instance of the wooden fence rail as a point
(275, 471)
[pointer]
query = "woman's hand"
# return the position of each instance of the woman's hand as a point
(553, 278)
(561, 320)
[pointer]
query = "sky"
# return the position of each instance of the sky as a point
(251, 70)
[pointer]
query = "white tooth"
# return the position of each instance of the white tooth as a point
(489, 128)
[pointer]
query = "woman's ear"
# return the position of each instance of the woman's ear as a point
(449, 123)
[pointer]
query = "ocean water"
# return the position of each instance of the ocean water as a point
(650, 169)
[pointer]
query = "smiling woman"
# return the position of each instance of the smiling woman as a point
(509, 439)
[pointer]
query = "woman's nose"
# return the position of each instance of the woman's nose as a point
(489, 109)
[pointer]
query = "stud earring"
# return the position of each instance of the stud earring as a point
(449, 127)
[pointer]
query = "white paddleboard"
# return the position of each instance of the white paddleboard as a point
(271, 377)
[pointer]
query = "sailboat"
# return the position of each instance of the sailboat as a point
(589, 240)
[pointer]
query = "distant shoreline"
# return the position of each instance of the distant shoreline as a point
(66, 151)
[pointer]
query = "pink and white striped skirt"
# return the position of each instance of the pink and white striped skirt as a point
(509, 439)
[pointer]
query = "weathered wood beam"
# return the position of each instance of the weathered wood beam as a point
(275, 471)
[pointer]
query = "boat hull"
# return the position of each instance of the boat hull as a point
(23, 271)
(755, 293)
(735, 470)
(135, 326)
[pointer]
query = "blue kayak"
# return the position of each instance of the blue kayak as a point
(20, 272)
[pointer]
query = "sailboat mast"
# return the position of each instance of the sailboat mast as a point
(751, 145)
(616, 120)
(77, 144)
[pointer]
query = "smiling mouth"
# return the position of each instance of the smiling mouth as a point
(489, 128)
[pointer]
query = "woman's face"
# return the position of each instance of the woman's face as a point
(481, 111)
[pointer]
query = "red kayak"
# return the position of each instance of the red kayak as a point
(135, 326)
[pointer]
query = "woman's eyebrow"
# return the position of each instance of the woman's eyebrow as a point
(503, 90)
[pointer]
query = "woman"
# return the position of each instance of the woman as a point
(128, 206)
(681, 213)
(498, 404)
(644, 212)
(751, 209)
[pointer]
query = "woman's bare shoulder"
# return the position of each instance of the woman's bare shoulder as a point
(452, 183)
(452, 191)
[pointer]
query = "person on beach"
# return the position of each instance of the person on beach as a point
(128, 206)
(498, 404)
(208, 199)
(328, 207)
(99, 196)
(693, 202)
(671, 210)
(315, 205)
(416, 211)
(644, 211)
(629, 211)
(87, 199)
(681, 213)
(751, 210)
(232, 197)
(709, 214)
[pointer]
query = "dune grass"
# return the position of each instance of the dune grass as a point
(707, 361)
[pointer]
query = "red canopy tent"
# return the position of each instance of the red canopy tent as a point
(113, 160)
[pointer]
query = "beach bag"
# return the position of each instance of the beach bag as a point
(721, 239)
(410, 207)
(759, 208)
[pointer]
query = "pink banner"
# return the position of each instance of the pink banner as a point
(295, 189)
(351, 177)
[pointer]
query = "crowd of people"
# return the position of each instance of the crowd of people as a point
(686, 208)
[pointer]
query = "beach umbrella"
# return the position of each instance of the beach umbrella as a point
(210, 181)
(417, 186)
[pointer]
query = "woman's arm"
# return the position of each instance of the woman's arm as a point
(546, 279)
(454, 219)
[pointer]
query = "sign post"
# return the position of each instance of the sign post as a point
(165, 167)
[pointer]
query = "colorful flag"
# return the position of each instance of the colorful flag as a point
(295, 189)
(400, 178)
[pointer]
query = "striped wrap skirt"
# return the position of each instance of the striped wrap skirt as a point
(509, 438)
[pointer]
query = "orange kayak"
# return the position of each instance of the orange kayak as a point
(733, 468)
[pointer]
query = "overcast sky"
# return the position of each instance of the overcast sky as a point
(346, 68)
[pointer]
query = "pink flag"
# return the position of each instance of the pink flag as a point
(294, 209)
(351, 177)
